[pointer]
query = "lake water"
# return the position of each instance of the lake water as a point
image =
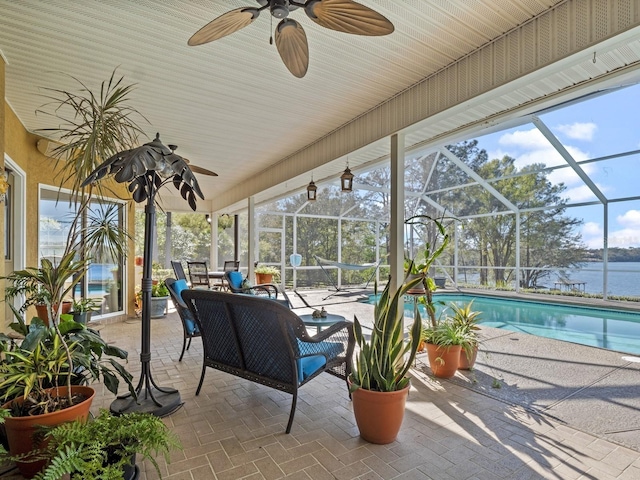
(624, 278)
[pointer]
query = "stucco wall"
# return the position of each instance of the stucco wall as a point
(2, 147)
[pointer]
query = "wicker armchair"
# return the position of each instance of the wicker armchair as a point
(260, 340)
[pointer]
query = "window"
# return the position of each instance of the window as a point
(104, 280)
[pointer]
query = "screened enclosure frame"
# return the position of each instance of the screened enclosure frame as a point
(419, 200)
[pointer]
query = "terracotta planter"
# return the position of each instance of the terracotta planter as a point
(444, 360)
(43, 313)
(262, 278)
(379, 414)
(20, 430)
(467, 362)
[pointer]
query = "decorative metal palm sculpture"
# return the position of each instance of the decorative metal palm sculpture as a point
(146, 169)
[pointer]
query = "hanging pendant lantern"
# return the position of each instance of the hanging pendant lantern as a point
(346, 180)
(311, 191)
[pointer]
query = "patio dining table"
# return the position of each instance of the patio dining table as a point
(216, 275)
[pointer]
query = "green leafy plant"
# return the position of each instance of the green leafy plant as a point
(383, 361)
(446, 333)
(40, 362)
(102, 447)
(28, 373)
(268, 270)
(466, 319)
(52, 282)
(91, 127)
(85, 305)
(159, 290)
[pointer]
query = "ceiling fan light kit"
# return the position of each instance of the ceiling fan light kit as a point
(344, 16)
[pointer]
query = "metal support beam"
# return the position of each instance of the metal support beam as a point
(481, 181)
(213, 251)
(252, 254)
(555, 143)
(396, 260)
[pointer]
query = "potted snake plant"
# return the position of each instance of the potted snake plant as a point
(379, 383)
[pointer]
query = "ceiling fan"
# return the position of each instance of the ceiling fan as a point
(291, 41)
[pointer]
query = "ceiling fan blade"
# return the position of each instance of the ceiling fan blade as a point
(203, 171)
(291, 42)
(197, 169)
(349, 17)
(224, 25)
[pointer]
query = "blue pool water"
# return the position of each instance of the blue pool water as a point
(610, 329)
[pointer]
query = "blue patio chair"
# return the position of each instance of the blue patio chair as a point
(189, 326)
(178, 269)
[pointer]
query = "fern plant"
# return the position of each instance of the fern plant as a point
(102, 447)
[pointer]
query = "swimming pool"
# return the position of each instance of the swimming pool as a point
(597, 327)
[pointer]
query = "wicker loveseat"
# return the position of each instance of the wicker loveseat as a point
(265, 342)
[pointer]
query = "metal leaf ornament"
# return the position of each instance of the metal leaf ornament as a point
(144, 168)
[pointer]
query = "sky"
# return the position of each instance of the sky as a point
(596, 127)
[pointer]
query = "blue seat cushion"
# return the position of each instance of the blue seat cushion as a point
(235, 279)
(190, 325)
(178, 286)
(307, 366)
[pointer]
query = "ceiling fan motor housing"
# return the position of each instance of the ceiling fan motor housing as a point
(279, 8)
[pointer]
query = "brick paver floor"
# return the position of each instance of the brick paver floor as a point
(235, 429)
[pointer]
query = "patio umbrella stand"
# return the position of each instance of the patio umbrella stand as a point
(146, 169)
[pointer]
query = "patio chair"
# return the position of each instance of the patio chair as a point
(178, 270)
(189, 327)
(199, 275)
(229, 266)
(238, 284)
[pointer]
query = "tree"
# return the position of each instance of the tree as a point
(547, 235)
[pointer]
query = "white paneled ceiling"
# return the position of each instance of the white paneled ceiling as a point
(231, 105)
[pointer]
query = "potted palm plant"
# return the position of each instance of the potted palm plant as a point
(99, 127)
(379, 381)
